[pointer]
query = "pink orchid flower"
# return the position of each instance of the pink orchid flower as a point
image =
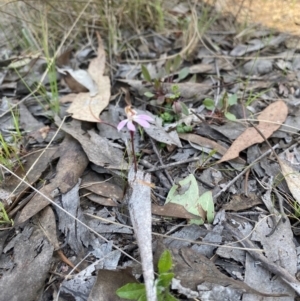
(132, 117)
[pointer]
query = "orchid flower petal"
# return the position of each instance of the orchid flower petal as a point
(122, 124)
(141, 122)
(144, 117)
(130, 126)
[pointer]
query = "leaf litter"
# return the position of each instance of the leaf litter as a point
(91, 173)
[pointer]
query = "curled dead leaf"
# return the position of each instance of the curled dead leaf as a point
(270, 120)
(86, 107)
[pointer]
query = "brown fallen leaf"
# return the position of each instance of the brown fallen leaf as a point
(47, 223)
(13, 184)
(205, 142)
(87, 107)
(73, 84)
(94, 183)
(193, 268)
(172, 210)
(108, 281)
(70, 167)
(270, 120)
(67, 98)
(100, 191)
(240, 202)
(101, 200)
(292, 178)
(97, 148)
(31, 260)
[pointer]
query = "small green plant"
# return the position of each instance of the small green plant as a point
(137, 291)
(8, 152)
(158, 95)
(4, 218)
(296, 207)
(181, 128)
(167, 117)
(226, 102)
(175, 94)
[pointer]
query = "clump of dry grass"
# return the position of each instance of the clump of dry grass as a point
(26, 23)
(42, 24)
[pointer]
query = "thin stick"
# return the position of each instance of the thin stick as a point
(160, 161)
(245, 170)
(173, 164)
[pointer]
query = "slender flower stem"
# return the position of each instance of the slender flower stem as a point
(133, 152)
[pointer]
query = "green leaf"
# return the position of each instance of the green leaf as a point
(232, 99)
(146, 74)
(157, 84)
(165, 262)
(168, 66)
(167, 117)
(169, 297)
(180, 129)
(193, 79)
(230, 116)
(131, 291)
(212, 152)
(175, 89)
(187, 128)
(149, 94)
(207, 203)
(176, 63)
(183, 73)
(209, 104)
(165, 279)
(186, 194)
(184, 108)
(143, 298)
(198, 222)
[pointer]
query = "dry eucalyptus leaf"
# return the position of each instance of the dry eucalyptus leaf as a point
(87, 107)
(240, 202)
(242, 49)
(108, 281)
(93, 182)
(14, 184)
(70, 167)
(80, 78)
(97, 148)
(292, 178)
(78, 235)
(279, 247)
(172, 210)
(192, 268)
(32, 259)
(205, 142)
(270, 120)
(158, 133)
